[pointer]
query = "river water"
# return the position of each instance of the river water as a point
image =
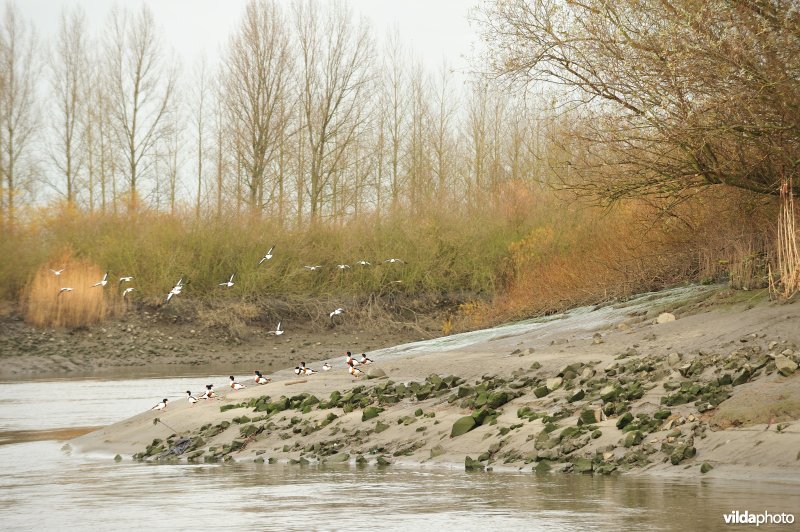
(45, 486)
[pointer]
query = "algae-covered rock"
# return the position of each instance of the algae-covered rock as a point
(742, 377)
(118, 458)
(483, 415)
(633, 438)
(587, 417)
(624, 420)
(543, 466)
(382, 461)
(609, 393)
(370, 412)
(309, 401)
(541, 391)
(582, 465)
(471, 464)
(498, 399)
(462, 426)
(465, 391)
(706, 467)
(662, 413)
(577, 396)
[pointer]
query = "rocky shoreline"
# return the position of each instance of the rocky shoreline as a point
(661, 395)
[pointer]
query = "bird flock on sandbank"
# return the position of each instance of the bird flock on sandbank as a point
(260, 379)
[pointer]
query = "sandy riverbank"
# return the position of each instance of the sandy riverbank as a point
(607, 392)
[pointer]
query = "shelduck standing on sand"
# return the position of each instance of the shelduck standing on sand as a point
(350, 361)
(355, 372)
(260, 379)
(326, 367)
(298, 370)
(235, 385)
(192, 398)
(308, 371)
(364, 359)
(209, 393)
(160, 406)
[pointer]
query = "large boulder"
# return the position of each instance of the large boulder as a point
(462, 426)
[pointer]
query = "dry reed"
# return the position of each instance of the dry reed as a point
(47, 304)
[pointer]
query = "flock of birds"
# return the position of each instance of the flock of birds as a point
(259, 378)
(181, 284)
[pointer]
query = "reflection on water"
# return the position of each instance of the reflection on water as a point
(44, 488)
(88, 403)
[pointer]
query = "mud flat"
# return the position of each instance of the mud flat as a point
(691, 382)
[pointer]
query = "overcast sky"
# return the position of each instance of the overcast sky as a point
(433, 28)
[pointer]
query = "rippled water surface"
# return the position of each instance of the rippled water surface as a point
(44, 488)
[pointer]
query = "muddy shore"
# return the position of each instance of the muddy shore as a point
(697, 386)
(161, 341)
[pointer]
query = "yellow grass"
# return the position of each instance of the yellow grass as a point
(46, 305)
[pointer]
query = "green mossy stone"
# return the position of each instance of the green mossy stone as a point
(541, 391)
(663, 413)
(624, 420)
(370, 413)
(462, 426)
(586, 417)
(577, 396)
(582, 465)
(633, 438)
(465, 391)
(706, 467)
(471, 464)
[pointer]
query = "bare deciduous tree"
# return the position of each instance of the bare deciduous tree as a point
(19, 66)
(140, 86)
(257, 74)
(70, 77)
(335, 61)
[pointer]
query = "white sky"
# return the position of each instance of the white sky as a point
(433, 29)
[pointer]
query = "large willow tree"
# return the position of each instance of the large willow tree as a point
(670, 95)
